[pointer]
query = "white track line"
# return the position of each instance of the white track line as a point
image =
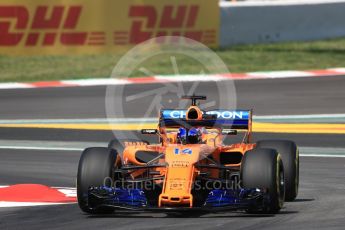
(277, 3)
(41, 148)
(14, 86)
(68, 191)
(6, 204)
(152, 119)
(176, 78)
(322, 155)
(77, 121)
(308, 116)
(71, 192)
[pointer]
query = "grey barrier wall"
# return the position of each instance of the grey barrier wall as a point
(244, 23)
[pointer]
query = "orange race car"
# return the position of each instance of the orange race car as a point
(191, 168)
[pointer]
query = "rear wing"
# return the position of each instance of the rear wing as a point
(230, 119)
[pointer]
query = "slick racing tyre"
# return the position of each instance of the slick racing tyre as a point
(95, 165)
(290, 156)
(263, 169)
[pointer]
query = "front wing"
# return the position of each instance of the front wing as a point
(217, 200)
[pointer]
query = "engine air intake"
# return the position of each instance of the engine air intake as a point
(192, 114)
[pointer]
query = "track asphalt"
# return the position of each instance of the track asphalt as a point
(320, 204)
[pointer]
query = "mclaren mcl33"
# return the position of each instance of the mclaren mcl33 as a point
(192, 166)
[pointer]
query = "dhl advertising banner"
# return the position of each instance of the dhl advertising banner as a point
(59, 27)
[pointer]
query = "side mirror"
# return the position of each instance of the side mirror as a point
(229, 132)
(149, 131)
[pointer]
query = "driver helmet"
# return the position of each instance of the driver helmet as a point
(194, 136)
(182, 136)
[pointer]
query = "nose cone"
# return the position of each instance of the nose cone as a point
(180, 175)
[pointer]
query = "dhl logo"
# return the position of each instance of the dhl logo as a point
(57, 24)
(150, 22)
(48, 26)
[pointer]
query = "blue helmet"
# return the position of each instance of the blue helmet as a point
(194, 136)
(182, 136)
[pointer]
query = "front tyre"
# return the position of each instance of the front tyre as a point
(263, 169)
(290, 156)
(95, 166)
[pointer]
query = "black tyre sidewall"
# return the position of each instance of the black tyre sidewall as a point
(290, 156)
(95, 168)
(262, 168)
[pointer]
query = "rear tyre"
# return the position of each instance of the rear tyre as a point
(290, 156)
(95, 169)
(263, 169)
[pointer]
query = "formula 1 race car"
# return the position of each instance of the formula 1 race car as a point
(191, 167)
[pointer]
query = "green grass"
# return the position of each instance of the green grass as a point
(246, 58)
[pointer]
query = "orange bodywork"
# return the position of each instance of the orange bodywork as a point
(180, 160)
